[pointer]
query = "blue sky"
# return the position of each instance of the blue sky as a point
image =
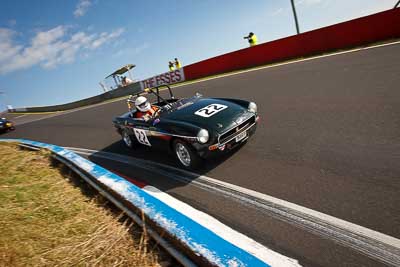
(53, 52)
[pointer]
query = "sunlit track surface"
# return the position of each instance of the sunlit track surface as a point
(20, 119)
(373, 244)
(328, 140)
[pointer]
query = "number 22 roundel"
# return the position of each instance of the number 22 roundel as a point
(210, 110)
(141, 137)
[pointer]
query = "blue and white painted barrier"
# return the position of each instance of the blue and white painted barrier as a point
(203, 242)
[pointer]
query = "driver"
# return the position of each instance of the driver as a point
(145, 110)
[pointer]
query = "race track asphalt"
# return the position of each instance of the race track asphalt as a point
(328, 139)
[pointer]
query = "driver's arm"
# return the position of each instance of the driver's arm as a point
(146, 117)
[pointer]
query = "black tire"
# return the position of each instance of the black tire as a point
(186, 155)
(127, 139)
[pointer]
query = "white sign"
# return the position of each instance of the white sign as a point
(170, 77)
(141, 136)
(210, 110)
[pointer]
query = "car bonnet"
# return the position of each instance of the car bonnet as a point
(212, 114)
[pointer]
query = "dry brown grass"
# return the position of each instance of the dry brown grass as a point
(47, 221)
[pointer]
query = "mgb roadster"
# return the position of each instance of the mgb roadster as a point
(193, 128)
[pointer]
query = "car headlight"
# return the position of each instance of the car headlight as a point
(203, 136)
(252, 107)
(8, 124)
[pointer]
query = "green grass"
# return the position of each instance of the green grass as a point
(47, 220)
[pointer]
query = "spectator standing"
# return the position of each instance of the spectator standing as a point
(178, 64)
(171, 66)
(252, 38)
(123, 81)
(128, 81)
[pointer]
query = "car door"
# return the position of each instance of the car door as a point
(139, 129)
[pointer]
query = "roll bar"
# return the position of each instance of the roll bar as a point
(157, 93)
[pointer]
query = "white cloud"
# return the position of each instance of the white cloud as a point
(7, 49)
(105, 37)
(82, 8)
(47, 37)
(49, 48)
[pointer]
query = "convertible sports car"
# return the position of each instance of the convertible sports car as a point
(193, 128)
(6, 125)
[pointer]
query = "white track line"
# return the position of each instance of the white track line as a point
(20, 116)
(234, 237)
(374, 244)
(225, 75)
(286, 63)
(60, 113)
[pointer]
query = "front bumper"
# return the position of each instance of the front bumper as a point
(6, 126)
(207, 151)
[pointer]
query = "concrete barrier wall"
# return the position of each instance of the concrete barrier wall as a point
(119, 92)
(381, 26)
(376, 27)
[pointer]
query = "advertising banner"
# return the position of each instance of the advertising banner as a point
(168, 78)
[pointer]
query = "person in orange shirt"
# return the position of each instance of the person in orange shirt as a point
(145, 110)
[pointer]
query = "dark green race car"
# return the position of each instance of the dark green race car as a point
(193, 128)
(6, 125)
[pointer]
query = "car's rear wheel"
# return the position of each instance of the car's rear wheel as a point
(186, 155)
(126, 137)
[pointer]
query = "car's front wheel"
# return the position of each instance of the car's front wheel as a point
(186, 155)
(126, 137)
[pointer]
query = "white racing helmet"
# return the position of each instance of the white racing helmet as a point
(142, 104)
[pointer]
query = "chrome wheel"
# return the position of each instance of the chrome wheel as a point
(127, 139)
(183, 154)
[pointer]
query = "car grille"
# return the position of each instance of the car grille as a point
(230, 134)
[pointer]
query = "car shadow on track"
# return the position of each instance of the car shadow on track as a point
(128, 166)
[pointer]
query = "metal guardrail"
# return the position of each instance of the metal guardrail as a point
(180, 257)
(119, 92)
